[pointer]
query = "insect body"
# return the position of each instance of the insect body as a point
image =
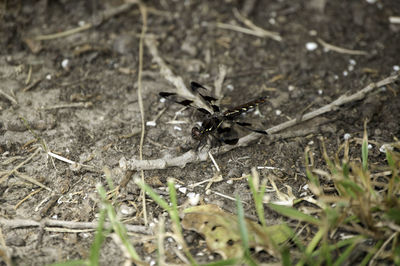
(214, 119)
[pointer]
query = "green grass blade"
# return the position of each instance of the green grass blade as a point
(371, 253)
(118, 227)
(347, 252)
(153, 195)
(72, 263)
(244, 236)
(98, 240)
(258, 199)
(295, 214)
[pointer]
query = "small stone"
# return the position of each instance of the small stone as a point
(311, 46)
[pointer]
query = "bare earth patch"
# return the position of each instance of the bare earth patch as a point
(70, 112)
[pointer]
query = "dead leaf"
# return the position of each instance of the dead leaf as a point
(221, 231)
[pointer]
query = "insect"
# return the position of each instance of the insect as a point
(214, 119)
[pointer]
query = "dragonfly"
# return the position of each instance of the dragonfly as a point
(214, 120)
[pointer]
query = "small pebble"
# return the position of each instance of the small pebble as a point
(350, 68)
(396, 68)
(278, 112)
(320, 92)
(346, 136)
(65, 63)
(371, 1)
(177, 128)
(369, 146)
(151, 123)
(194, 198)
(311, 46)
(230, 87)
(345, 73)
(182, 190)
(48, 77)
(352, 62)
(291, 88)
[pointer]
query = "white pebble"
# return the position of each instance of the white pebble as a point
(369, 146)
(278, 112)
(177, 128)
(123, 163)
(311, 142)
(229, 181)
(151, 123)
(194, 198)
(65, 63)
(350, 68)
(352, 62)
(291, 88)
(230, 87)
(371, 1)
(345, 73)
(336, 77)
(182, 190)
(81, 23)
(85, 235)
(48, 77)
(311, 46)
(396, 68)
(346, 136)
(55, 216)
(320, 92)
(162, 100)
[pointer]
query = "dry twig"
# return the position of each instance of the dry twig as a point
(340, 50)
(273, 35)
(23, 223)
(143, 11)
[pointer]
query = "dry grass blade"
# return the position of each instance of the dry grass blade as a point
(143, 11)
(340, 49)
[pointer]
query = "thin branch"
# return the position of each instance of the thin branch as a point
(340, 49)
(19, 166)
(193, 156)
(9, 97)
(23, 223)
(251, 25)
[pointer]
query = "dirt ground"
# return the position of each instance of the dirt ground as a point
(78, 95)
